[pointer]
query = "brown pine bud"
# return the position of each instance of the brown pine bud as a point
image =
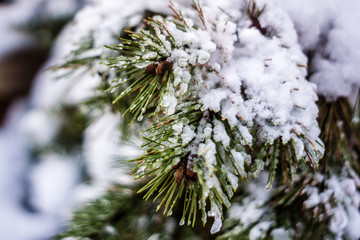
(163, 67)
(194, 177)
(189, 172)
(151, 68)
(179, 174)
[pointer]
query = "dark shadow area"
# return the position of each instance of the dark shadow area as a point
(17, 71)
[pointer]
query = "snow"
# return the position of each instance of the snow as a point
(50, 172)
(278, 100)
(17, 223)
(280, 234)
(257, 231)
(347, 202)
(327, 30)
(208, 151)
(10, 18)
(178, 127)
(220, 134)
(352, 227)
(251, 208)
(34, 125)
(239, 162)
(212, 99)
(169, 101)
(266, 97)
(187, 135)
(11, 171)
(101, 143)
(19, 13)
(39, 127)
(232, 178)
(220, 61)
(215, 212)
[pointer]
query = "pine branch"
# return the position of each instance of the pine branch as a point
(147, 67)
(191, 148)
(180, 166)
(120, 214)
(316, 194)
(199, 144)
(340, 135)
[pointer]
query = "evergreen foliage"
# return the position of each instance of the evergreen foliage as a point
(191, 147)
(119, 214)
(316, 215)
(167, 75)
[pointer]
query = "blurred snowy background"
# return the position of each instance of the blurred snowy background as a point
(39, 191)
(46, 155)
(33, 197)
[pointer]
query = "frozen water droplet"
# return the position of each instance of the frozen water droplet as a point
(112, 90)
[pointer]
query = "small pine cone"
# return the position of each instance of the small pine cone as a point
(151, 68)
(163, 67)
(179, 174)
(189, 172)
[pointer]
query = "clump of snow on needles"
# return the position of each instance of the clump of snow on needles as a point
(329, 31)
(344, 213)
(263, 81)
